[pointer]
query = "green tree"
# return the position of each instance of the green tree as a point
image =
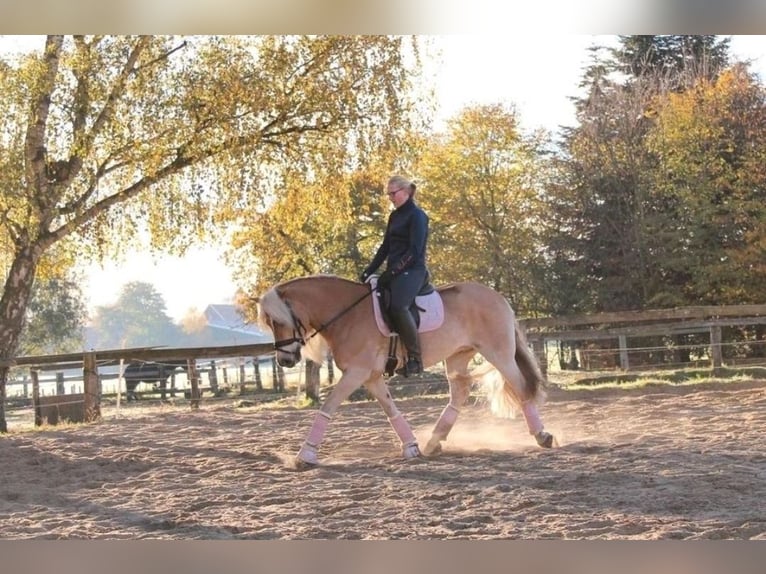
(679, 59)
(137, 319)
(55, 317)
(110, 139)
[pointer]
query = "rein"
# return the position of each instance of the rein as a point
(299, 333)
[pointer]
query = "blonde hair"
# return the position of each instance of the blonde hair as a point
(399, 181)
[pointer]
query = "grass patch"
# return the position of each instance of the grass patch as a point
(666, 378)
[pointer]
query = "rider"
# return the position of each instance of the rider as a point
(404, 250)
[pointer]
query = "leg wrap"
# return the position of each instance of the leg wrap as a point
(402, 428)
(316, 434)
(534, 424)
(446, 421)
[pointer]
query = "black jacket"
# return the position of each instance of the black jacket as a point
(405, 241)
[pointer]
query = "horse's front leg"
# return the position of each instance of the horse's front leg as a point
(378, 389)
(351, 380)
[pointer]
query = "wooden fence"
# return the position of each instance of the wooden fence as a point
(85, 406)
(622, 327)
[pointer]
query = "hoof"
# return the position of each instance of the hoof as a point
(545, 439)
(300, 464)
(433, 448)
(411, 451)
(306, 457)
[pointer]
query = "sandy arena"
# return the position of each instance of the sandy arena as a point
(657, 463)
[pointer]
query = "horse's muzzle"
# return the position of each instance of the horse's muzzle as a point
(288, 359)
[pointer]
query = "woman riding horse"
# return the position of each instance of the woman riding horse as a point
(309, 312)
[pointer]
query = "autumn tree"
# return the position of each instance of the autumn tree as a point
(108, 140)
(481, 186)
(330, 221)
(709, 194)
(603, 202)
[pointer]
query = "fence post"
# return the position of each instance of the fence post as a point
(60, 390)
(35, 375)
(715, 347)
(242, 376)
(256, 375)
(330, 369)
(91, 388)
(278, 376)
(194, 380)
(624, 364)
(213, 376)
(538, 349)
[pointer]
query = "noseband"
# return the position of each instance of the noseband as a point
(299, 333)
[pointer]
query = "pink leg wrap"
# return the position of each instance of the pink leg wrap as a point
(535, 425)
(316, 434)
(446, 421)
(402, 428)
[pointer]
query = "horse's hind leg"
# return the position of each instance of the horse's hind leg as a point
(515, 388)
(460, 381)
(379, 390)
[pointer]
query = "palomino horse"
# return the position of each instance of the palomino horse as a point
(477, 320)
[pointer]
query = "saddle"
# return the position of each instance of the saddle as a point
(427, 310)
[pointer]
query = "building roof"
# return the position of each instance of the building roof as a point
(225, 326)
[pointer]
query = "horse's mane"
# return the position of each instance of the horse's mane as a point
(271, 305)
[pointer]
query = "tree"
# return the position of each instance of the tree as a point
(330, 222)
(137, 319)
(482, 183)
(604, 203)
(55, 317)
(110, 139)
(679, 59)
(710, 192)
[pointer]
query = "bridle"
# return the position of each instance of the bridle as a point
(299, 331)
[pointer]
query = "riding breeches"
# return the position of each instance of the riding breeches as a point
(405, 287)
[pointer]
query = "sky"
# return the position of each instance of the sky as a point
(538, 74)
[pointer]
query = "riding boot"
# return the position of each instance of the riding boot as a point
(408, 333)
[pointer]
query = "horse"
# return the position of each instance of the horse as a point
(150, 372)
(314, 312)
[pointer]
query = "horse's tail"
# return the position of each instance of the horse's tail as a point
(503, 399)
(528, 365)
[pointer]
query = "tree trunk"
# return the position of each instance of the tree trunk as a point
(13, 309)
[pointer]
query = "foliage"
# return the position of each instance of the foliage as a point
(482, 187)
(110, 139)
(613, 220)
(710, 190)
(681, 60)
(137, 319)
(329, 223)
(55, 317)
